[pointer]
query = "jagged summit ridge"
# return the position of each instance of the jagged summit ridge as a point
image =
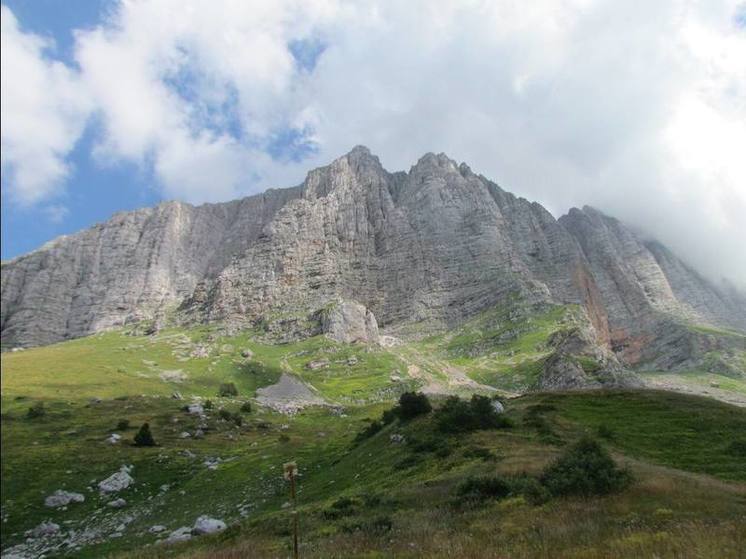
(421, 251)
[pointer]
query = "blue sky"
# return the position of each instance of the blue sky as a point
(110, 106)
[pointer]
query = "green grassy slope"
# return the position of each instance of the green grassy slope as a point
(689, 498)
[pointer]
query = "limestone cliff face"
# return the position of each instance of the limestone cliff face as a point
(421, 250)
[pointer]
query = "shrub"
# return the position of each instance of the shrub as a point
(343, 506)
(438, 446)
(144, 437)
(479, 452)
(377, 525)
(208, 405)
(227, 389)
(284, 438)
(225, 414)
(246, 407)
(412, 404)
(123, 425)
(237, 419)
(487, 487)
(37, 410)
(585, 469)
(390, 415)
(373, 428)
(737, 448)
(457, 415)
(605, 432)
(531, 489)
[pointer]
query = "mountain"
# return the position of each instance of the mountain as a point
(358, 252)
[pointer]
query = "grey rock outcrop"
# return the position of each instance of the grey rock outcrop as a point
(359, 253)
(348, 322)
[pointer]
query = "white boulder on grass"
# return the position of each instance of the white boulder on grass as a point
(117, 503)
(62, 498)
(117, 481)
(497, 406)
(206, 525)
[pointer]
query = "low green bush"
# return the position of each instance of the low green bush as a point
(458, 416)
(123, 425)
(227, 389)
(585, 469)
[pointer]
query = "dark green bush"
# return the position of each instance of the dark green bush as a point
(377, 525)
(37, 410)
(372, 428)
(605, 432)
(438, 446)
(246, 407)
(390, 415)
(737, 448)
(227, 389)
(343, 506)
(144, 437)
(585, 469)
(486, 487)
(208, 405)
(458, 416)
(123, 425)
(412, 404)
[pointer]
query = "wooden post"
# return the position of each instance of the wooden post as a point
(290, 472)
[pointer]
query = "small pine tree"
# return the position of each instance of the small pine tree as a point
(246, 407)
(208, 404)
(144, 436)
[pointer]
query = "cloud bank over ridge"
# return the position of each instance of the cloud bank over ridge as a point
(640, 111)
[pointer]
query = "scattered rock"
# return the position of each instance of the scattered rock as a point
(156, 529)
(177, 396)
(207, 525)
(177, 375)
(185, 435)
(200, 352)
(196, 409)
(397, 438)
(117, 503)
(179, 535)
(199, 434)
(114, 438)
(62, 498)
(46, 528)
(497, 406)
(320, 364)
(247, 353)
(117, 481)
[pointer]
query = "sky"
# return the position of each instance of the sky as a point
(636, 108)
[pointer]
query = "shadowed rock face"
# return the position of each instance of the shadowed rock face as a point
(422, 251)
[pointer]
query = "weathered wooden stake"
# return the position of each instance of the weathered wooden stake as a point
(291, 471)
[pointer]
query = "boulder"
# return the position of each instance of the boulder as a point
(117, 503)
(247, 353)
(179, 535)
(117, 481)
(157, 529)
(46, 528)
(114, 438)
(207, 525)
(62, 498)
(196, 409)
(349, 321)
(497, 406)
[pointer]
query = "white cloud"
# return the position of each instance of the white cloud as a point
(43, 113)
(640, 111)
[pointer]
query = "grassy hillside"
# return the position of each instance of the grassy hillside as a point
(365, 498)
